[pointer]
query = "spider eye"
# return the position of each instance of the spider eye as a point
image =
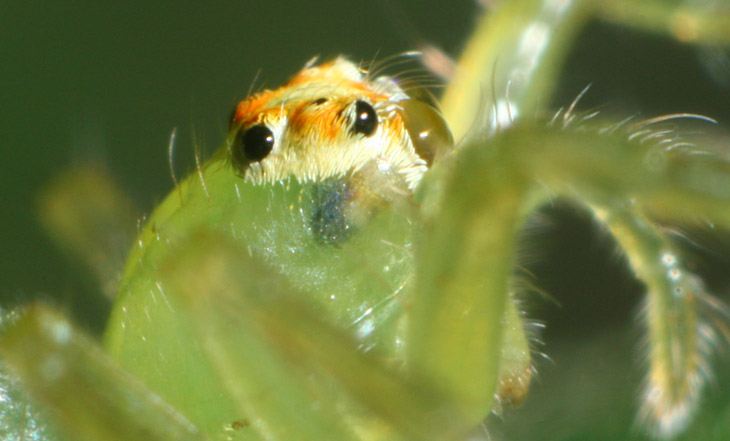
(257, 142)
(319, 101)
(366, 120)
(429, 133)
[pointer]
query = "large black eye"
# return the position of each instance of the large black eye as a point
(366, 120)
(257, 142)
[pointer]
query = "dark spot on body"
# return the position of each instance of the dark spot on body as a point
(328, 220)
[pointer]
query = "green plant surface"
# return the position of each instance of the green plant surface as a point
(233, 322)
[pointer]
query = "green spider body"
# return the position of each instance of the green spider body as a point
(288, 246)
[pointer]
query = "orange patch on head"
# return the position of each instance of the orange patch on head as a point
(323, 121)
(247, 108)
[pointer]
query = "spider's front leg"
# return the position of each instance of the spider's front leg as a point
(461, 308)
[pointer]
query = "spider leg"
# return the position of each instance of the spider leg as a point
(475, 206)
(680, 341)
(461, 305)
(93, 398)
(515, 368)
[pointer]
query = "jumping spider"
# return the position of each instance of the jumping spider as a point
(344, 266)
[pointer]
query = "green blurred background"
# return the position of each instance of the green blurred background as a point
(108, 82)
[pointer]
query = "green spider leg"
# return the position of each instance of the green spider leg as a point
(468, 248)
